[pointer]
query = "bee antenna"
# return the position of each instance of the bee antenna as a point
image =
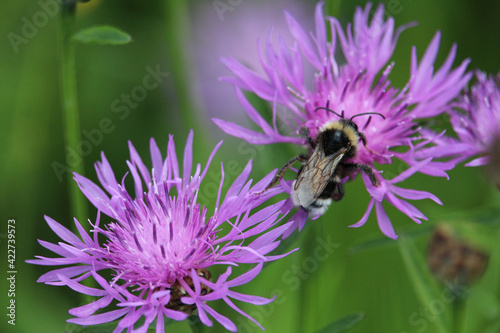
(365, 113)
(327, 109)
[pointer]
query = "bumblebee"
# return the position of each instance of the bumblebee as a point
(319, 181)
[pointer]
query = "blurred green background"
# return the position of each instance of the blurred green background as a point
(374, 282)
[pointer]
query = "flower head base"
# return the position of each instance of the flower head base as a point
(361, 85)
(477, 123)
(494, 163)
(161, 244)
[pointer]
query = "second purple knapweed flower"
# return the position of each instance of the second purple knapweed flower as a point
(154, 260)
(476, 120)
(361, 85)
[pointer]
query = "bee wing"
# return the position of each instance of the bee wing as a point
(314, 176)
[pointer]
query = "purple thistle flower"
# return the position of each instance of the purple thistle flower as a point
(161, 245)
(477, 119)
(360, 85)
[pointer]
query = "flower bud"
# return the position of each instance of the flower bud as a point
(453, 258)
(494, 165)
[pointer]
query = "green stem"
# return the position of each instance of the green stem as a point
(196, 325)
(307, 244)
(70, 104)
(458, 316)
(177, 33)
(333, 8)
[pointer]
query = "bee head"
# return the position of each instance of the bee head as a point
(339, 135)
(343, 133)
(350, 122)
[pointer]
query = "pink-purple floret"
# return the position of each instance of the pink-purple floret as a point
(360, 84)
(160, 238)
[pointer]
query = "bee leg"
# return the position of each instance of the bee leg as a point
(365, 168)
(339, 193)
(363, 139)
(283, 169)
(304, 132)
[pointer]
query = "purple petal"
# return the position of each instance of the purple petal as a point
(376, 192)
(251, 136)
(234, 307)
(209, 161)
(408, 209)
(384, 223)
(228, 324)
(94, 193)
(297, 221)
(269, 236)
(175, 315)
(365, 216)
(81, 288)
(427, 62)
(99, 318)
(62, 251)
(106, 176)
(203, 316)
(222, 279)
(62, 232)
(149, 317)
(478, 161)
(246, 277)
(256, 300)
(137, 161)
(83, 233)
(250, 79)
(172, 156)
(414, 194)
(188, 158)
(156, 160)
(303, 40)
(160, 325)
(409, 172)
(68, 272)
(252, 113)
(321, 42)
(129, 320)
(91, 308)
(239, 181)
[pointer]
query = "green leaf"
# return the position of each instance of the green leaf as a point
(425, 285)
(382, 241)
(343, 324)
(102, 35)
(489, 217)
(487, 302)
(109, 327)
(196, 325)
(376, 242)
(494, 327)
(103, 328)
